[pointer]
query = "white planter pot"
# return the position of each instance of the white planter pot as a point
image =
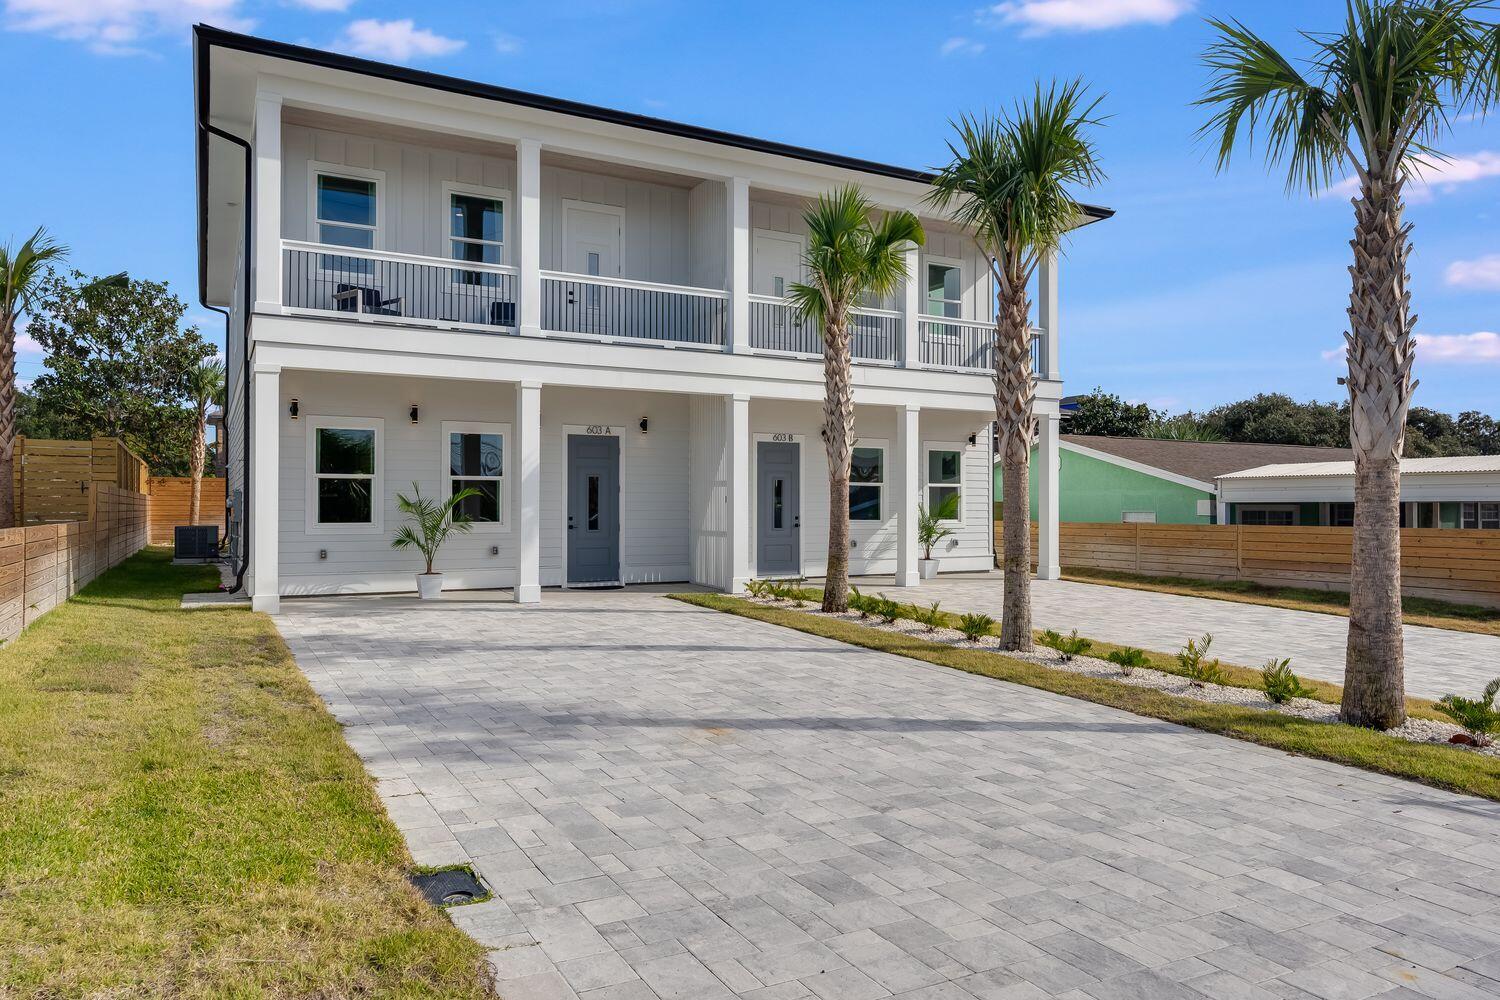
(927, 568)
(429, 585)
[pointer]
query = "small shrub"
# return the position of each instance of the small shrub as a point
(1479, 716)
(859, 602)
(1196, 666)
(974, 626)
(887, 610)
(1281, 684)
(1069, 646)
(758, 588)
(931, 618)
(794, 592)
(1128, 659)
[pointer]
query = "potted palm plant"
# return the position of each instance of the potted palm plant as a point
(931, 529)
(431, 521)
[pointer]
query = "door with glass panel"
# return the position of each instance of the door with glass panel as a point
(593, 510)
(476, 232)
(778, 517)
(593, 248)
(775, 265)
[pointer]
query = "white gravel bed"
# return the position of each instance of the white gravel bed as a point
(1415, 730)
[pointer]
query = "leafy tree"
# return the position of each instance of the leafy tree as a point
(119, 360)
(21, 273)
(1009, 183)
(1376, 98)
(1105, 414)
(1276, 418)
(848, 258)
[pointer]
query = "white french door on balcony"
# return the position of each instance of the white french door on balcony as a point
(592, 247)
(775, 263)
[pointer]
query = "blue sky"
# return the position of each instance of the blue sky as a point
(1205, 287)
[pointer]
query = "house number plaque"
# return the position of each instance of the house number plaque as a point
(781, 437)
(604, 429)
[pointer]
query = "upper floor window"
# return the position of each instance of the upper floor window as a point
(866, 483)
(476, 228)
(1480, 515)
(346, 211)
(944, 290)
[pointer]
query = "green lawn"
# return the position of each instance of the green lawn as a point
(179, 816)
(1440, 766)
(1415, 610)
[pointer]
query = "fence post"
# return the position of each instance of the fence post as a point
(1239, 550)
(1137, 547)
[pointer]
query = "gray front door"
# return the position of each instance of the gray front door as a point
(593, 509)
(778, 520)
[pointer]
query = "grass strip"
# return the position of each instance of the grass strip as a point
(1425, 611)
(180, 815)
(1442, 767)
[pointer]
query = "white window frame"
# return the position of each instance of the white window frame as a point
(446, 477)
(317, 168)
(880, 445)
(1479, 519)
(927, 449)
(1137, 517)
(376, 525)
(445, 215)
(953, 262)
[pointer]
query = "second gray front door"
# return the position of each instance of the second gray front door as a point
(593, 509)
(778, 519)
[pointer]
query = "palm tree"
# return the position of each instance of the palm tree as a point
(1008, 184)
(848, 257)
(205, 386)
(1375, 98)
(20, 272)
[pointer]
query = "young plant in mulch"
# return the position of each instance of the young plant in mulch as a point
(1195, 664)
(930, 618)
(1128, 659)
(1069, 646)
(1479, 716)
(756, 588)
(886, 610)
(975, 625)
(859, 602)
(1281, 684)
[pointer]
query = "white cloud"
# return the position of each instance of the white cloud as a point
(397, 41)
(1459, 348)
(1437, 177)
(119, 27)
(960, 46)
(507, 45)
(1039, 17)
(27, 345)
(1482, 272)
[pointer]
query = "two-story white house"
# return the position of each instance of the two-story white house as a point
(579, 313)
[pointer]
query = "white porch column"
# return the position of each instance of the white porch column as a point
(908, 492)
(737, 334)
(911, 318)
(527, 468)
(1048, 491)
(1048, 317)
(739, 495)
(265, 489)
(266, 187)
(529, 234)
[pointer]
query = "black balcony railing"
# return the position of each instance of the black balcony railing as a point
(370, 284)
(633, 310)
(776, 326)
(966, 344)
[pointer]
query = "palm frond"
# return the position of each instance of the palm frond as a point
(21, 269)
(849, 256)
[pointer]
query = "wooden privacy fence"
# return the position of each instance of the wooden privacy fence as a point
(43, 565)
(53, 478)
(1449, 564)
(169, 505)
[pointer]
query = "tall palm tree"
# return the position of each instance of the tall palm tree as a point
(21, 271)
(1009, 184)
(205, 386)
(1374, 99)
(848, 256)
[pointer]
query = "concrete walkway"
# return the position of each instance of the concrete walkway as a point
(1438, 661)
(673, 803)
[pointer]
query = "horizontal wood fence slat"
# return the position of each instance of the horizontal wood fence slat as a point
(169, 505)
(52, 479)
(42, 565)
(1461, 565)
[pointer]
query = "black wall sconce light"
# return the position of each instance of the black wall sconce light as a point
(644, 423)
(294, 409)
(974, 438)
(414, 414)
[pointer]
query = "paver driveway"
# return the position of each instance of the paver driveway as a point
(678, 803)
(1438, 661)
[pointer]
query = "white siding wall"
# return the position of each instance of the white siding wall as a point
(977, 281)
(708, 237)
(708, 491)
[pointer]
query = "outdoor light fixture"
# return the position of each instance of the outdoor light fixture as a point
(974, 438)
(644, 422)
(494, 550)
(293, 408)
(414, 413)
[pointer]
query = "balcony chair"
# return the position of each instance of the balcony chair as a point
(367, 300)
(502, 313)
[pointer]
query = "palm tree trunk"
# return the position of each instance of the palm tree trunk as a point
(838, 437)
(1015, 426)
(1381, 351)
(195, 467)
(7, 420)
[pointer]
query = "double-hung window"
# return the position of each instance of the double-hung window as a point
(346, 213)
(476, 232)
(1341, 515)
(1276, 517)
(945, 483)
(866, 483)
(344, 474)
(475, 459)
(944, 290)
(1480, 515)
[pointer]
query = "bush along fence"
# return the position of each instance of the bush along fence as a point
(169, 505)
(43, 565)
(1461, 565)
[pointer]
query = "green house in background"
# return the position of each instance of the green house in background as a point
(1151, 481)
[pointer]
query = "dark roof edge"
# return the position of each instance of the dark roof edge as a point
(455, 85)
